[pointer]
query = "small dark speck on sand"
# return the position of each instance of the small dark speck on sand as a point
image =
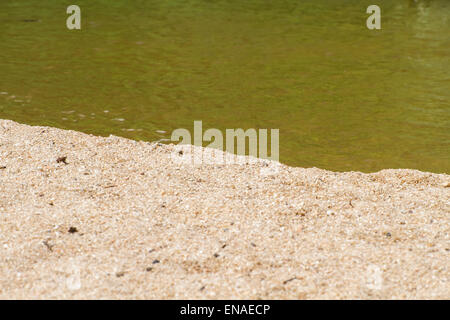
(120, 274)
(155, 261)
(2, 167)
(252, 244)
(62, 159)
(73, 230)
(216, 255)
(202, 288)
(289, 280)
(48, 245)
(388, 234)
(148, 269)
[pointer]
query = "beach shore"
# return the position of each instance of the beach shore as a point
(90, 217)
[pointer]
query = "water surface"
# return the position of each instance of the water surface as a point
(343, 97)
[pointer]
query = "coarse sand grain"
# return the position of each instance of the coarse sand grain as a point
(87, 217)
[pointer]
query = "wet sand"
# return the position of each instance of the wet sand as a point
(93, 217)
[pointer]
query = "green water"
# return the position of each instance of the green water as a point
(344, 97)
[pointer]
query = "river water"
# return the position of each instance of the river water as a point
(344, 97)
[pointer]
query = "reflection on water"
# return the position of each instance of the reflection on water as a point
(344, 97)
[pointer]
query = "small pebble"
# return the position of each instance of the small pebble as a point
(73, 230)
(62, 159)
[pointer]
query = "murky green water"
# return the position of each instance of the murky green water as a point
(343, 97)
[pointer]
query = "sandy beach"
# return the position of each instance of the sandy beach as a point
(87, 217)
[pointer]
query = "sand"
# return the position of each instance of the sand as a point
(86, 217)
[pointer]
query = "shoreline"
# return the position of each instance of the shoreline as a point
(87, 217)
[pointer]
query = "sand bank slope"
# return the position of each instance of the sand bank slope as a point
(115, 218)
